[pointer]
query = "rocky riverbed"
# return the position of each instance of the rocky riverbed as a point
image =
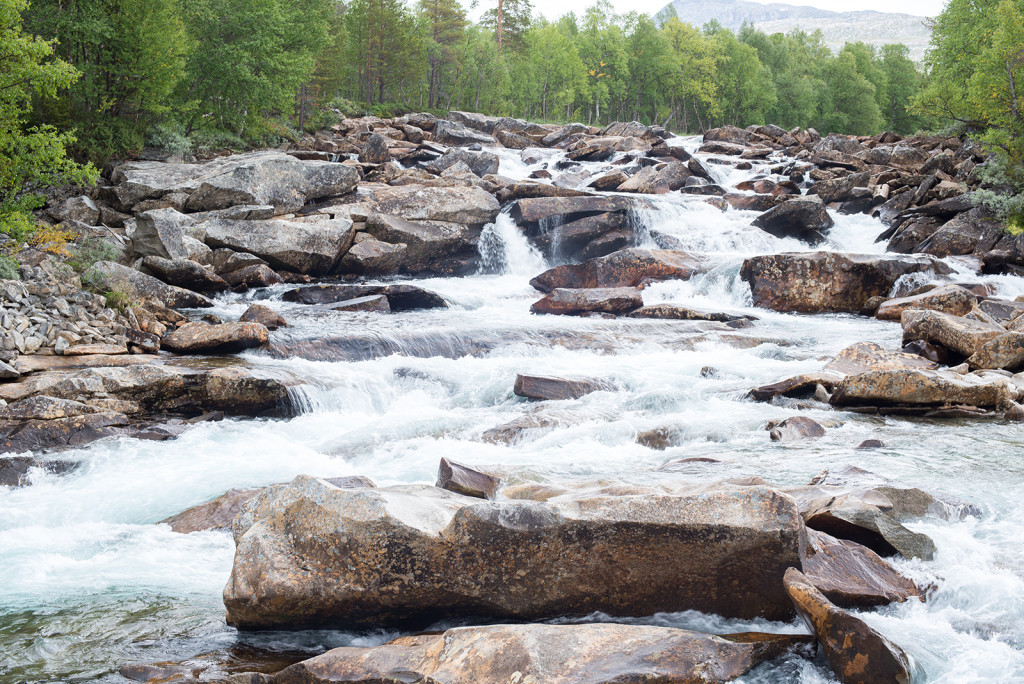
(481, 400)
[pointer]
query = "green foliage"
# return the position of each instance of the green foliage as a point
(169, 137)
(119, 300)
(31, 158)
(88, 251)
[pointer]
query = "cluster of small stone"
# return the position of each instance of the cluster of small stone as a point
(40, 313)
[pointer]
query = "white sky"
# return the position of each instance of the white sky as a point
(552, 9)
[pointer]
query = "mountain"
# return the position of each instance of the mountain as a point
(838, 28)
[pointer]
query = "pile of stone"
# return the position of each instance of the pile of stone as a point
(475, 547)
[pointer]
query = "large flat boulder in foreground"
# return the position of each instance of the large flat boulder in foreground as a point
(829, 282)
(554, 654)
(626, 268)
(313, 555)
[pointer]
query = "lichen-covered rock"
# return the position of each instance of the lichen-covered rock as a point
(923, 388)
(958, 333)
(307, 246)
(828, 282)
(184, 273)
(203, 338)
(868, 356)
(951, 299)
(113, 277)
(313, 555)
(554, 654)
(469, 206)
(1005, 351)
(856, 653)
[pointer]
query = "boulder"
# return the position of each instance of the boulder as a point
(600, 653)
(466, 205)
(154, 388)
(480, 163)
(455, 134)
(255, 178)
(958, 333)
(544, 387)
(461, 479)
(554, 138)
(311, 247)
(851, 575)
(922, 388)
(15, 470)
(974, 231)
(478, 122)
(674, 312)
(400, 297)
(513, 141)
(161, 233)
(202, 338)
(257, 275)
(571, 302)
(184, 273)
(856, 653)
(375, 150)
(951, 299)
(839, 189)
(868, 356)
(804, 218)
(1005, 351)
(819, 282)
(428, 244)
(313, 555)
(80, 208)
(264, 315)
(373, 257)
(113, 277)
(35, 434)
(625, 268)
(796, 429)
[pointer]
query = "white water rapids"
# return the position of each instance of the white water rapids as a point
(88, 582)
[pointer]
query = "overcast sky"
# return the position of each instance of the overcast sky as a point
(555, 8)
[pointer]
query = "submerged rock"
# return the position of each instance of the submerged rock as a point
(313, 555)
(856, 653)
(551, 388)
(555, 654)
(796, 429)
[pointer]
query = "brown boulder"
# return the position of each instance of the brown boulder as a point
(550, 388)
(212, 515)
(816, 282)
(530, 212)
(951, 299)
(958, 333)
(202, 338)
(912, 387)
(625, 268)
(572, 302)
(596, 653)
(377, 303)
(851, 575)
(796, 429)
(313, 555)
(264, 315)
(461, 479)
(868, 356)
(1005, 351)
(856, 653)
(400, 297)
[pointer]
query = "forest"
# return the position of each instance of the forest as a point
(103, 78)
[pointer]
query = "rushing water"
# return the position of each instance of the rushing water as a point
(89, 582)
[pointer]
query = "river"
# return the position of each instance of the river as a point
(88, 582)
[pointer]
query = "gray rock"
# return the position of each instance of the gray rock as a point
(80, 208)
(185, 273)
(375, 150)
(481, 163)
(311, 247)
(113, 277)
(161, 233)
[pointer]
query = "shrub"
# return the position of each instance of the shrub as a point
(53, 240)
(9, 268)
(171, 138)
(119, 300)
(87, 252)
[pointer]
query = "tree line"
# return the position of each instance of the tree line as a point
(103, 78)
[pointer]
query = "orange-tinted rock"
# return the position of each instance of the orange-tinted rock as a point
(264, 315)
(551, 388)
(1005, 351)
(554, 654)
(958, 333)
(868, 356)
(202, 338)
(313, 555)
(856, 653)
(625, 268)
(461, 479)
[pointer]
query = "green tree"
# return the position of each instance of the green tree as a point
(131, 56)
(849, 104)
(902, 82)
(510, 20)
(386, 46)
(745, 86)
(31, 158)
(444, 22)
(250, 59)
(696, 81)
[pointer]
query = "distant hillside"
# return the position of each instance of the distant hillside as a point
(873, 28)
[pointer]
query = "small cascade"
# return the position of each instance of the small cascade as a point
(504, 250)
